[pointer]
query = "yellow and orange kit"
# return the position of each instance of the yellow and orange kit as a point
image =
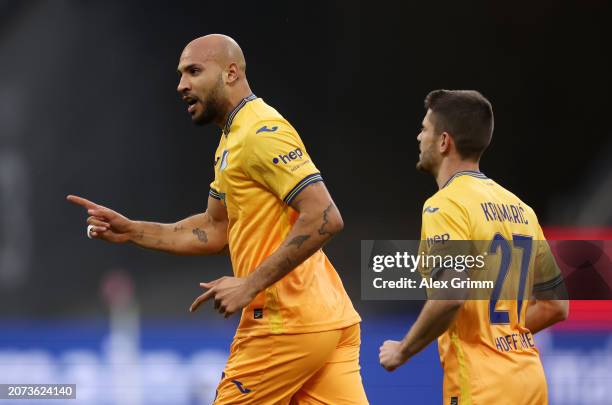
(488, 355)
(261, 164)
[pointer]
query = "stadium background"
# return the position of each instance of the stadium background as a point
(88, 106)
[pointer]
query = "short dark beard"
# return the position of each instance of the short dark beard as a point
(430, 167)
(422, 165)
(426, 164)
(213, 108)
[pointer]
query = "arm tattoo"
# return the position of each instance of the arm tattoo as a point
(178, 228)
(201, 234)
(322, 230)
(298, 240)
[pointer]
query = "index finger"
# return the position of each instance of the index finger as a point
(210, 284)
(83, 202)
(202, 298)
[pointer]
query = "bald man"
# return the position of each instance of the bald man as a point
(298, 338)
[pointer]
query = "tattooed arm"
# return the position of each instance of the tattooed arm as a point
(201, 234)
(318, 221)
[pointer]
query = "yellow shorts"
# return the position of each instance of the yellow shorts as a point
(489, 381)
(307, 368)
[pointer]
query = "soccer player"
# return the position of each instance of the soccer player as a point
(486, 346)
(298, 339)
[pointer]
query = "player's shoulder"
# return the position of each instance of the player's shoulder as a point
(454, 194)
(442, 202)
(507, 195)
(446, 218)
(268, 125)
(261, 114)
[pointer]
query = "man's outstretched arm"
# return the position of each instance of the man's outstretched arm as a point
(201, 234)
(319, 220)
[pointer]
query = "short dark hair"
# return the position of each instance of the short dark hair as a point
(466, 115)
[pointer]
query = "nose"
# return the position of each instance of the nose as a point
(183, 85)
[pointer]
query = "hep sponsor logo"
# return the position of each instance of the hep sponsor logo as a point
(443, 238)
(293, 155)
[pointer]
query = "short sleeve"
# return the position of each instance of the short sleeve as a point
(547, 274)
(214, 190)
(277, 159)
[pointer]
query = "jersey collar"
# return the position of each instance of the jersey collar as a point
(473, 173)
(232, 114)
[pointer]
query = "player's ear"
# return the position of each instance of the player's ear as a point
(445, 142)
(231, 74)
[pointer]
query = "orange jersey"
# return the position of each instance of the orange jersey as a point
(261, 164)
(488, 354)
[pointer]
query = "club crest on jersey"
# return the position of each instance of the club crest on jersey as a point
(224, 160)
(289, 157)
(431, 210)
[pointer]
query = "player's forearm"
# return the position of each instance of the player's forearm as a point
(196, 235)
(542, 314)
(434, 319)
(310, 232)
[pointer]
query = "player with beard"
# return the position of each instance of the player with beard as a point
(486, 346)
(298, 339)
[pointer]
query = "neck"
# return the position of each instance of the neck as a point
(449, 167)
(240, 92)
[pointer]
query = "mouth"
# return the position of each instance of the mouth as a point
(191, 103)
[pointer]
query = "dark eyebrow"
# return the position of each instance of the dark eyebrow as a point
(191, 65)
